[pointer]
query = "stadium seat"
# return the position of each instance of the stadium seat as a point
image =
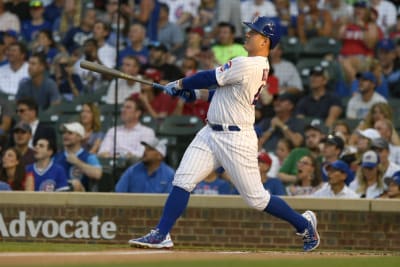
(292, 48)
(65, 107)
(149, 121)
(321, 46)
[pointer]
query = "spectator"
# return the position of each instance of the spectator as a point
(131, 66)
(44, 43)
(272, 184)
(387, 167)
(393, 184)
(182, 12)
(8, 21)
(342, 129)
(106, 52)
(13, 173)
(338, 172)
(226, 48)
(287, 73)
(320, 103)
(53, 11)
(136, 47)
(369, 180)
(82, 168)
(314, 133)
(283, 149)
(229, 11)
(386, 14)
(193, 45)
(360, 104)
(386, 55)
(340, 11)
(77, 36)
(28, 111)
(6, 115)
(251, 9)
(70, 84)
(16, 70)
(313, 22)
(22, 134)
(287, 14)
(332, 149)
(19, 8)
(90, 120)
(364, 140)
(70, 18)
(308, 179)
(169, 33)
(39, 86)
(386, 129)
(151, 174)
(48, 175)
(129, 135)
(4, 186)
(30, 28)
(284, 124)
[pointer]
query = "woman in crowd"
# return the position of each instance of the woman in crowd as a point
(90, 119)
(308, 177)
(283, 149)
(13, 173)
(45, 44)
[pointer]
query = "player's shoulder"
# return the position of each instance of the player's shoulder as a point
(249, 61)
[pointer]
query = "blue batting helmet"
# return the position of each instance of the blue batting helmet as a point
(266, 27)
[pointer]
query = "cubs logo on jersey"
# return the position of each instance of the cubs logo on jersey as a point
(226, 66)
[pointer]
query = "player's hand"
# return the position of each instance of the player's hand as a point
(188, 95)
(172, 88)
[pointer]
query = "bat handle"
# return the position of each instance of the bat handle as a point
(158, 86)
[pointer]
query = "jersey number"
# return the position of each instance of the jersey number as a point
(257, 95)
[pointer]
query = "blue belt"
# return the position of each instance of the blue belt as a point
(220, 128)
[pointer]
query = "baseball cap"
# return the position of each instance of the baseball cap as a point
(4, 186)
(395, 178)
(380, 143)
(23, 126)
(369, 76)
(339, 165)
(264, 157)
(369, 133)
(198, 30)
(386, 44)
(11, 33)
(318, 125)
(153, 74)
(287, 96)
(360, 3)
(159, 145)
(35, 3)
(335, 140)
(370, 159)
(320, 71)
(74, 127)
(158, 46)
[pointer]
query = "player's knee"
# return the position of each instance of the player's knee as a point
(184, 185)
(258, 203)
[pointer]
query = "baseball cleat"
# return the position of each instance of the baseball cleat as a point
(152, 240)
(310, 235)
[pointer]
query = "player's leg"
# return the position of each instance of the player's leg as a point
(243, 170)
(197, 162)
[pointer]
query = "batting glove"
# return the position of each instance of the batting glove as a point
(188, 95)
(172, 88)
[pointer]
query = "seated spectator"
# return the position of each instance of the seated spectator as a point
(106, 53)
(16, 70)
(387, 167)
(169, 33)
(251, 9)
(136, 47)
(386, 14)
(19, 8)
(22, 134)
(193, 44)
(6, 115)
(360, 104)
(340, 11)
(71, 16)
(126, 88)
(287, 14)
(308, 178)
(338, 172)
(313, 22)
(8, 21)
(385, 128)
(386, 54)
(320, 103)
(284, 124)
(82, 168)
(364, 140)
(342, 129)
(332, 149)
(393, 185)
(30, 28)
(44, 43)
(70, 84)
(13, 173)
(48, 175)
(129, 135)
(225, 49)
(39, 86)
(368, 182)
(90, 120)
(213, 184)
(53, 10)
(283, 149)
(272, 184)
(151, 174)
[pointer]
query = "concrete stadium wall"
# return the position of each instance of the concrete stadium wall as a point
(210, 221)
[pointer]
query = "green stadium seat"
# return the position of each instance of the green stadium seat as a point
(291, 47)
(320, 47)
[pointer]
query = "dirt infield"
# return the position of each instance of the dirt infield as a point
(140, 255)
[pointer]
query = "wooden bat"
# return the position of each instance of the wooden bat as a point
(92, 66)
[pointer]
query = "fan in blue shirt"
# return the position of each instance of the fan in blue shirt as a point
(151, 174)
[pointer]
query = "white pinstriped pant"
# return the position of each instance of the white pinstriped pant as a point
(236, 151)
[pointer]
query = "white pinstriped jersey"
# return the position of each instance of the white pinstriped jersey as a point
(241, 80)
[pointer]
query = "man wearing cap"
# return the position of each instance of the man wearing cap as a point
(381, 146)
(22, 134)
(386, 54)
(337, 171)
(83, 169)
(364, 140)
(360, 104)
(31, 27)
(319, 103)
(393, 185)
(314, 133)
(151, 174)
(8, 21)
(283, 124)
(331, 151)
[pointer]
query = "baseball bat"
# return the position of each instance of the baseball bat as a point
(92, 66)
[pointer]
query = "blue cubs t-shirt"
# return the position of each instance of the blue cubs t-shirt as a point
(53, 178)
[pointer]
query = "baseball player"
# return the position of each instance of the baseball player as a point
(229, 139)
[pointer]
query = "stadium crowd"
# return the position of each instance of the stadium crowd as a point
(326, 121)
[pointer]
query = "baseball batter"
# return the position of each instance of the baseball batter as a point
(229, 139)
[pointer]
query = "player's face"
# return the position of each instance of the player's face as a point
(42, 150)
(253, 41)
